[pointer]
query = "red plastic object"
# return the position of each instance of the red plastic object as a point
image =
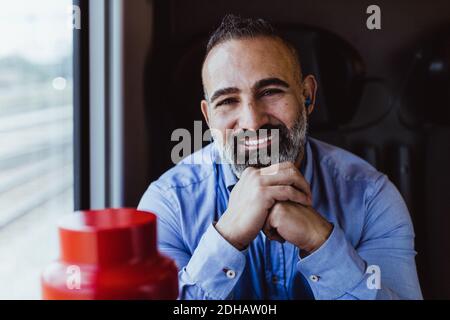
(109, 254)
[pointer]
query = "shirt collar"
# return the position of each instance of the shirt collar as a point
(230, 178)
(307, 165)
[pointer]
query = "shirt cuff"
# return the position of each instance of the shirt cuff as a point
(216, 264)
(333, 269)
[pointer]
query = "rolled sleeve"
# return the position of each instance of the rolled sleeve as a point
(333, 269)
(216, 265)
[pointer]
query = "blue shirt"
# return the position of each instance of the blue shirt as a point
(369, 254)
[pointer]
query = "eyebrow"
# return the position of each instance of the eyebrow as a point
(268, 82)
(224, 91)
(258, 85)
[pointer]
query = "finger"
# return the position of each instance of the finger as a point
(287, 193)
(287, 175)
(274, 168)
(275, 236)
(266, 228)
(272, 233)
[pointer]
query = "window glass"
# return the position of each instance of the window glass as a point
(36, 113)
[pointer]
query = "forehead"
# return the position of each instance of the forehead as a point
(242, 62)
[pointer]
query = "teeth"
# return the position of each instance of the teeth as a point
(256, 142)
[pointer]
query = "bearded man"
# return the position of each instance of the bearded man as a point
(270, 213)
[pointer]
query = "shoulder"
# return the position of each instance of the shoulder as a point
(362, 186)
(354, 176)
(342, 164)
(192, 170)
(350, 174)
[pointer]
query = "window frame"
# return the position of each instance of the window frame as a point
(81, 116)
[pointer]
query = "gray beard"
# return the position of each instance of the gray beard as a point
(291, 147)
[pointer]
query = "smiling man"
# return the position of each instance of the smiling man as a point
(316, 223)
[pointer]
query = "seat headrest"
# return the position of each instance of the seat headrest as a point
(426, 98)
(338, 69)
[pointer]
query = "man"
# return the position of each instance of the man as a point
(319, 223)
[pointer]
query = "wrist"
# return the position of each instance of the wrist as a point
(228, 236)
(318, 239)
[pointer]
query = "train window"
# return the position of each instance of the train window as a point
(36, 157)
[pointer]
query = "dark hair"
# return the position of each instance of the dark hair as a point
(235, 27)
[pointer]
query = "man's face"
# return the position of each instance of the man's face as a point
(253, 84)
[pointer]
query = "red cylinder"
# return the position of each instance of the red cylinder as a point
(109, 254)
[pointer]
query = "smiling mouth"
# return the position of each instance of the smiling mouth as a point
(257, 143)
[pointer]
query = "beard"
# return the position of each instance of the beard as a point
(282, 145)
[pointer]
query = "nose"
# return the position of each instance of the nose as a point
(252, 117)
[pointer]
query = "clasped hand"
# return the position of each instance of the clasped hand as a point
(277, 200)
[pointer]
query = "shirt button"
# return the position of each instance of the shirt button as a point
(274, 279)
(231, 274)
(314, 278)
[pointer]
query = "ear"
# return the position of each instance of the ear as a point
(205, 110)
(309, 90)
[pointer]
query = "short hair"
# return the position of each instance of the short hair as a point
(235, 27)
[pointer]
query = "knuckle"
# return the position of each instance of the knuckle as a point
(291, 165)
(255, 174)
(259, 190)
(291, 171)
(277, 207)
(247, 171)
(297, 173)
(270, 202)
(290, 191)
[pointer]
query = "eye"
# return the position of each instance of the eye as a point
(270, 92)
(227, 101)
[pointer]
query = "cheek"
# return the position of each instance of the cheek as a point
(285, 110)
(222, 118)
(220, 127)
